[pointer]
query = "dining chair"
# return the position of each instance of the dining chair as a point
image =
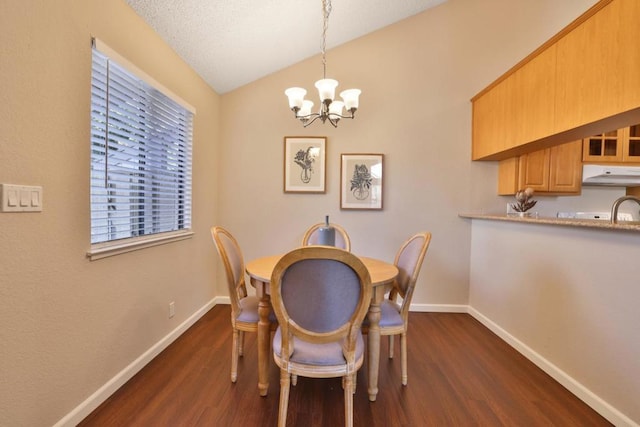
(244, 308)
(394, 314)
(342, 238)
(320, 296)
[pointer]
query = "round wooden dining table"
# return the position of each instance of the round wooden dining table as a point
(259, 270)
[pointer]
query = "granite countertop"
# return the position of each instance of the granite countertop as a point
(569, 222)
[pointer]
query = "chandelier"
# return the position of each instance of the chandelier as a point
(330, 110)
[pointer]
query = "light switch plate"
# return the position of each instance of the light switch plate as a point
(21, 198)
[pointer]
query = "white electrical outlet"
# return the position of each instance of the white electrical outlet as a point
(172, 309)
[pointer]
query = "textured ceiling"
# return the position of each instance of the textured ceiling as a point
(233, 42)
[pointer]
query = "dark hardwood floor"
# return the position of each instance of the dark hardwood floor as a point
(460, 374)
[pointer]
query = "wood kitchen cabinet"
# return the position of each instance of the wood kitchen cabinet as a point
(519, 108)
(617, 146)
(556, 170)
(597, 66)
(583, 77)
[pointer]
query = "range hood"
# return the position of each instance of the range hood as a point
(615, 176)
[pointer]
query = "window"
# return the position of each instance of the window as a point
(140, 156)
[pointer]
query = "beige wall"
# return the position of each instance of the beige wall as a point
(417, 78)
(569, 301)
(70, 325)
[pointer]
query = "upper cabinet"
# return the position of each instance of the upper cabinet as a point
(556, 170)
(583, 78)
(617, 146)
(598, 64)
(519, 108)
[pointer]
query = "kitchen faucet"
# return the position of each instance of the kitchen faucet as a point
(616, 205)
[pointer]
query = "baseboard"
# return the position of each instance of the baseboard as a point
(600, 406)
(103, 393)
(439, 308)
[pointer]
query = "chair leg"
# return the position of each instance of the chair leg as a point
(391, 346)
(403, 357)
(284, 398)
(241, 344)
(348, 400)
(234, 356)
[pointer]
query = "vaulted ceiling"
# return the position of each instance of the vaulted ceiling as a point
(230, 43)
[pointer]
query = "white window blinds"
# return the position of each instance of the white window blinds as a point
(140, 156)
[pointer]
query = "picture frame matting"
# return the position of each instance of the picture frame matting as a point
(361, 181)
(305, 164)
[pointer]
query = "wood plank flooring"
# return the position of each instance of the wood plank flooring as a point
(460, 374)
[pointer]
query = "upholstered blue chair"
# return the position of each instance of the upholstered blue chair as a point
(320, 296)
(244, 308)
(342, 238)
(394, 315)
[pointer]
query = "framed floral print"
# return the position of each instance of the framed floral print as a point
(305, 164)
(361, 181)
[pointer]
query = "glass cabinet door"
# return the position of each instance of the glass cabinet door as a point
(632, 146)
(604, 147)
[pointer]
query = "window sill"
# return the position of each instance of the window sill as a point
(108, 249)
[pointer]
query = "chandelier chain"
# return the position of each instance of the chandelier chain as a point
(326, 10)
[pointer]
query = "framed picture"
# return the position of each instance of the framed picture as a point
(361, 181)
(305, 164)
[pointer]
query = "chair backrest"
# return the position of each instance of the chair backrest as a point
(342, 238)
(409, 261)
(320, 294)
(233, 262)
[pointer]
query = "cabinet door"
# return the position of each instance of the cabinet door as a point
(597, 67)
(631, 145)
(534, 170)
(508, 176)
(565, 168)
(489, 133)
(553, 170)
(605, 147)
(516, 110)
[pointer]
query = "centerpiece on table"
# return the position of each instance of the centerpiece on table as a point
(524, 202)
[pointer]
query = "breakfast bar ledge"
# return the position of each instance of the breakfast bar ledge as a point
(566, 222)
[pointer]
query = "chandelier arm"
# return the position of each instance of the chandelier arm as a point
(341, 116)
(317, 116)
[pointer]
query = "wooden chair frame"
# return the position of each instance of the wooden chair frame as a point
(339, 230)
(405, 291)
(348, 331)
(236, 286)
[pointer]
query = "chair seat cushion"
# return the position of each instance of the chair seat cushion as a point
(329, 354)
(389, 315)
(249, 310)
